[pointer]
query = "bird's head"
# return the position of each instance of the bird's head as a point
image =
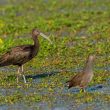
(36, 33)
(91, 57)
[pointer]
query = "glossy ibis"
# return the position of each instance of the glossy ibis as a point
(19, 55)
(82, 79)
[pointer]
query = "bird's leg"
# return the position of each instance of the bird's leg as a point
(18, 74)
(23, 74)
(82, 90)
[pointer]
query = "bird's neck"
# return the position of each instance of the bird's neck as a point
(36, 42)
(88, 67)
(35, 47)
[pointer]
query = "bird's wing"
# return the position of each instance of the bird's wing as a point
(75, 81)
(15, 55)
(86, 78)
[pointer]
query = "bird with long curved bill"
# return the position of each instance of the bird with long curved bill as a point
(19, 55)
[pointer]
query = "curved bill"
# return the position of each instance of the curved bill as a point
(43, 35)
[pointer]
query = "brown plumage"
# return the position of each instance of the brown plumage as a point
(19, 55)
(82, 79)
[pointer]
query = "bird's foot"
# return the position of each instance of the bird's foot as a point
(82, 90)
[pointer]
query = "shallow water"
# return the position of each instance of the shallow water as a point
(61, 102)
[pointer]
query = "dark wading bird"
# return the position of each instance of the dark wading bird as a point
(19, 55)
(82, 79)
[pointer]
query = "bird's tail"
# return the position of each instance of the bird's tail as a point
(1, 62)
